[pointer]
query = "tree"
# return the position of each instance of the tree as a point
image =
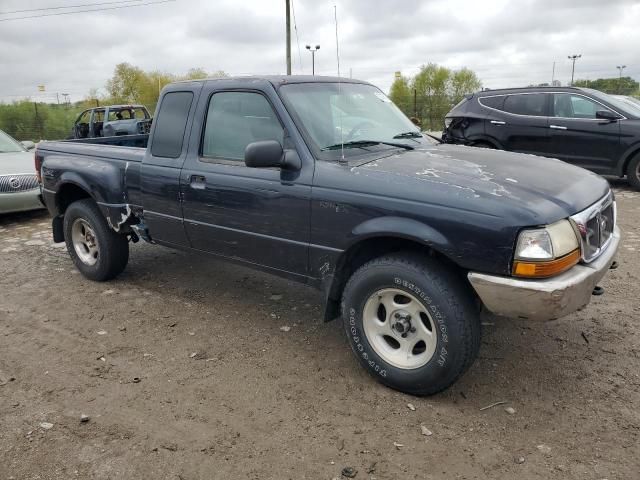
(127, 83)
(436, 90)
(463, 82)
(401, 94)
(612, 85)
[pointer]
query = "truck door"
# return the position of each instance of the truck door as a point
(160, 172)
(258, 215)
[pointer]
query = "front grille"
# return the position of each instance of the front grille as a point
(595, 226)
(18, 183)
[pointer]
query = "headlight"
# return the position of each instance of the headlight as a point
(447, 122)
(548, 251)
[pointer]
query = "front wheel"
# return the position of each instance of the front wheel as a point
(411, 322)
(97, 251)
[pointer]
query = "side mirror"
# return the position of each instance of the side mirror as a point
(607, 115)
(269, 153)
(28, 144)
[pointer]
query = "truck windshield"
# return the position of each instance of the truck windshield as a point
(9, 145)
(357, 115)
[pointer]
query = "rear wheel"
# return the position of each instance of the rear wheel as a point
(633, 172)
(97, 251)
(411, 322)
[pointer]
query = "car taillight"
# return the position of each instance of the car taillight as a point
(38, 164)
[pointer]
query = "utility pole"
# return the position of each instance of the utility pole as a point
(573, 67)
(313, 57)
(553, 73)
(58, 98)
(288, 16)
(620, 69)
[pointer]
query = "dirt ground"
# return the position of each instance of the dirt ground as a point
(185, 371)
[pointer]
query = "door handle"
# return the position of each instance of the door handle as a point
(497, 122)
(557, 127)
(198, 182)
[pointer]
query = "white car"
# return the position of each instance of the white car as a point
(19, 188)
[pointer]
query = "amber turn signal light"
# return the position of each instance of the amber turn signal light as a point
(546, 269)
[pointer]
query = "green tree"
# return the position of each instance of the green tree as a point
(463, 82)
(612, 85)
(436, 90)
(401, 94)
(127, 84)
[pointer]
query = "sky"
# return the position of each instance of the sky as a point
(507, 43)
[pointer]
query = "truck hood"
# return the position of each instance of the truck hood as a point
(529, 189)
(14, 163)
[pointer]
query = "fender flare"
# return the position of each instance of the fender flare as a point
(401, 227)
(381, 227)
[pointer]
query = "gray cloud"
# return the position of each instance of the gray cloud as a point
(506, 42)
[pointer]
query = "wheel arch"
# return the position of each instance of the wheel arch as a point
(378, 237)
(627, 157)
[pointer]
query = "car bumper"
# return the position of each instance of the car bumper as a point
(544, 299)
(20, 201)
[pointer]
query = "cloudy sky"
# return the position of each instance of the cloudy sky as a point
(507, 42)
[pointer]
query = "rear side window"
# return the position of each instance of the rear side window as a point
(533, 104)
(492, 102)
(171, 122)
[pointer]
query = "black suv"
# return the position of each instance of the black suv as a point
(578, 125)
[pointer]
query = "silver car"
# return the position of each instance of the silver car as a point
(19, 188)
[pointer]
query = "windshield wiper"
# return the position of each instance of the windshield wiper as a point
(365, 143)
(412, 134)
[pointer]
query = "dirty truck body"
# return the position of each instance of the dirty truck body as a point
(325, 182)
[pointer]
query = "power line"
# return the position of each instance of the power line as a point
(85, 11)
(68, 6)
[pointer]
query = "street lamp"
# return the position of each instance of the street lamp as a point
(573, 67)
(620, 69)
(313, 57)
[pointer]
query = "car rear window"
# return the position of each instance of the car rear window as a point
(532, 104)
(492, 102)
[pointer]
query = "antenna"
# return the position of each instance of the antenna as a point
(335, 17)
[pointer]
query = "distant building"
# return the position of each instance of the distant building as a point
(556, 83)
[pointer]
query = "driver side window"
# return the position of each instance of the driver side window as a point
(236, 119)
(567, 105)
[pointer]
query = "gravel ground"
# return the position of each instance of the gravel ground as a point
(186, 372)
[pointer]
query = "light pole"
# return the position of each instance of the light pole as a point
(573, 67)
(313, 57)
(620, 69)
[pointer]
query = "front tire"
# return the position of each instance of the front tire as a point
(633, 172)
(97, 251)
(411, 323)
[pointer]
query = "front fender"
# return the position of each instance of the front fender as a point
(401, 227)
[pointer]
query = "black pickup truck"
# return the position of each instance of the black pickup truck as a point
(325, 181)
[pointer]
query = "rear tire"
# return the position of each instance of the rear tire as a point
(97, 251)
(411, 322)
(633, 172)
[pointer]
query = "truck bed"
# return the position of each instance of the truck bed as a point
(109, 167)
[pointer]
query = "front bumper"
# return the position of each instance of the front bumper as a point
(20, 201)
(544, 299)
